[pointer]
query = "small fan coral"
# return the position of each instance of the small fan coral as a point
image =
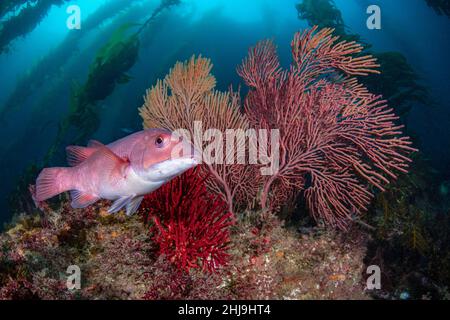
(190, 224)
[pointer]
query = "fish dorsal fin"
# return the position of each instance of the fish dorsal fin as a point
(94, 144)
(77, 154)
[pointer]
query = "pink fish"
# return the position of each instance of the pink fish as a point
(124, 170)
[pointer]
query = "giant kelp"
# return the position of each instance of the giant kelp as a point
(50, 104)
(324, 14)
(61, 83)
(442, 7)
(50, 66)
(16, 25)
(398, 82)
(8, 6)
(108, 69)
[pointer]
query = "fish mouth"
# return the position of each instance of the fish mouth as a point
(167, 170)
(174, 166)
(173, 161)
(195, 156)
(188, 160)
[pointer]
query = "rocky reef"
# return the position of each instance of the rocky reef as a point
(119, 260)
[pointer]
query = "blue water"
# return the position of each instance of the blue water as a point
(221, 30)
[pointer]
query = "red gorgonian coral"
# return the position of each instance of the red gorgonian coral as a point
(336, 138)
(190, 223)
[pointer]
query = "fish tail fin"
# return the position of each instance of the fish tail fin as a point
(53, 181)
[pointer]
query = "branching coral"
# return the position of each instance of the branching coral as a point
(335, 137)
(190, 223)
(186, 98)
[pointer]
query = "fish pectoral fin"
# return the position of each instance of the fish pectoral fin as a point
(77, 154)
(133, 205)
(113, 166)
(120, 203)
(82, 199)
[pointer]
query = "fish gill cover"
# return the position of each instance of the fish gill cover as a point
(352, 190)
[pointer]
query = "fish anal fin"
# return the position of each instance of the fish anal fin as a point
(82, 199)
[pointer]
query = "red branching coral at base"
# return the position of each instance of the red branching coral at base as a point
(190, 223)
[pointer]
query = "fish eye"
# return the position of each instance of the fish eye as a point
(159, 142)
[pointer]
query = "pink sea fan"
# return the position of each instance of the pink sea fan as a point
(336, 138)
